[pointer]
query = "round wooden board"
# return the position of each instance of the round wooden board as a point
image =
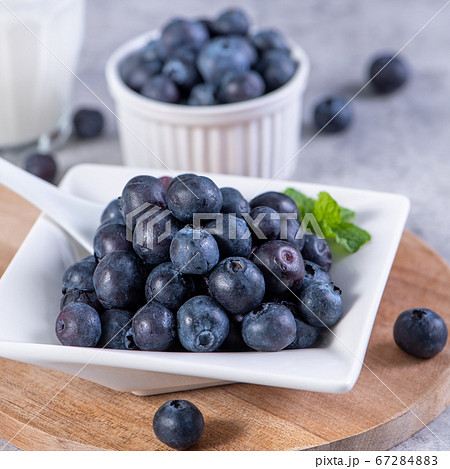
(394, 397)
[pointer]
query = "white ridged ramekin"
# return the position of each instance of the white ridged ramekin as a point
(251, 138)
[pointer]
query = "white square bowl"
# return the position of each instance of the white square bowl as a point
(30, 292)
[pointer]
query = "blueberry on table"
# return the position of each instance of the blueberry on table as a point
(194, 251)
(314, 274)
(420, 332)
(80, 296)
(241, 87)
(41, 165)
(320, 304)
(231, 22)
(332, 114)
(202, 324)
(280, 202)
(234, 202)
(113, 212)
(161, 88)
(79, 276)
(268, 39)
(178, 424)
(78, 325)
(167, 285)
(184, 33)
(277, 68)
(88, 123)
(115, 325)
(153, 327)
(237, 285)
(388, 73)
(269, 328)
(265, 223)
(109, 238)
(203, 94)
(317, 250)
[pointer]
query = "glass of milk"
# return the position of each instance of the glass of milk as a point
(40, 41)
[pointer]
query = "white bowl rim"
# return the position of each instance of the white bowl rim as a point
(117, 85)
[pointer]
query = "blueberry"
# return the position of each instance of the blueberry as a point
(420, 332)
(41, 165)
(388, 73)
(203, 94)
(265, 223)
(331, 116)
(306, 336)
(282, 266)
(184, 33)
(153, 327)
(79, 276)
(109, 238)
(317, 250)
(141, 72)
(119, 281)
(234, 341)
(113, 212)
(194, 251)
(241, 87)
(168, 286)
(153, 50)
(234, 202)
(193, 194)
(185, 54)
(280, 202)
(267, 39)
(152, 237)
(225, 55)
(178, 424)
(78, 325)
(320, 304)
(182, 73)
(237, 284)
(232, 235)
(202, 324)
(277, 68)
(269, 328)
(231, 22)
(88, 123)
(79, 296)
(166, 180)
(314, 274)
(161, 88)
(292, 232)
(115, 325)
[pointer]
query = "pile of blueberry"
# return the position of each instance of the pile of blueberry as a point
(205, 62)
(183, 265)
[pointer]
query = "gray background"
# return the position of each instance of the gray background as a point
(399, 143)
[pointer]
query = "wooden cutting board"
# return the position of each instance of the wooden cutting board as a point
(394, 397)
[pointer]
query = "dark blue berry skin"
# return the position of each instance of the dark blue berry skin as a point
(317, 250)
(152, 238)
(152, 51)
(178, 424)
(276, 68)
(193, 194)
(136, 77)
(79, 276)
(292, 232)
(161, 88)
(182, 73)
(109, 238)
(269, 328)
(241, 87)
(153, 327)
(41, 165)
(314, 274)
(388, 73)
(166, 180)
(203, 94)
(420, 332)
(237, 285)
(78, 296)
(234, 341)
(139, 191)
(88, 123)
(306, 336)
(268, 39)
(78, 325)
(231, 22)
(280, 202)
(112, 212)
(282, 266)
(184, 33)
(233, 237)
(119, 281)
(202, 324)
(194, 251)
(234, 202)
(269, 225)
(320, 304)
(115, 325)
(225, 55)
(168, 286)
(331, 116)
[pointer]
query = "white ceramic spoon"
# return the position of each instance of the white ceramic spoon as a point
(78, 217)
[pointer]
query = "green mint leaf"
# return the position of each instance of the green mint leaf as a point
(351, 236)
(305, 204)
(327, 213)
(347, 214)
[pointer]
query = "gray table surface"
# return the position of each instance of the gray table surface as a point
(398, 143)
